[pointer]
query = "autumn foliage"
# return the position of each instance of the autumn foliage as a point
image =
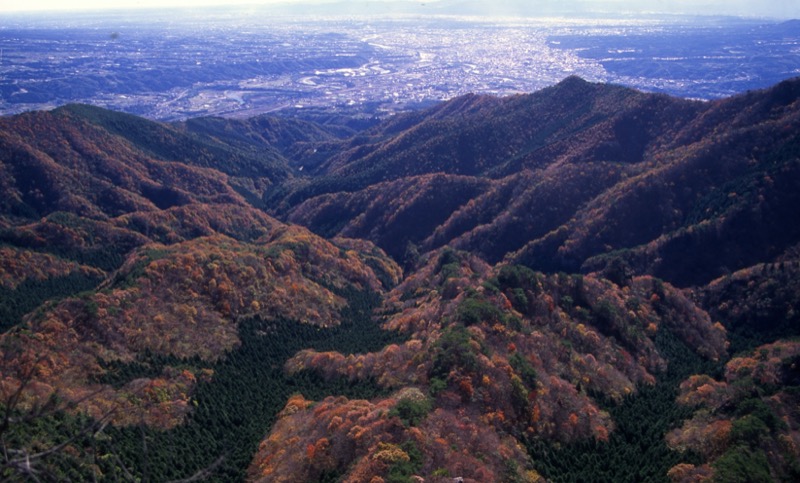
(183, 300)
(566, 256)
(749, 416)
(517, 351)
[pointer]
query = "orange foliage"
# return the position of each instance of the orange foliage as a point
(709, 431)
(466, 389)
(18, 265)
(688, 473)
(185, 300)
(555, 407)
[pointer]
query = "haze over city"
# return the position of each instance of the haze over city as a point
(765, 8)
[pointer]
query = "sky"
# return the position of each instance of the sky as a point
(28, 5)
(755, 8)
(52, 5)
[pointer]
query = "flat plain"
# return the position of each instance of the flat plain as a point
(237, 65)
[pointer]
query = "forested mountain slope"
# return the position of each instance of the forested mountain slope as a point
(80, 157)
(564, 176)
(596, 284)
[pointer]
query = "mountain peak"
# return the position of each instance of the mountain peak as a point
(573, 81)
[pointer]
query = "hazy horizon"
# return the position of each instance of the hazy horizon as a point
(780, 9)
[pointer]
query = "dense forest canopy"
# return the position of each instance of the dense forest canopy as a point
(585, 283)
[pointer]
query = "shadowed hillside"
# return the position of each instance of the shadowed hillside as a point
(571, 177)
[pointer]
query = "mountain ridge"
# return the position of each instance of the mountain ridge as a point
(571, 259)
(596, 141)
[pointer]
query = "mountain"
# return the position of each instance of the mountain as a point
(609, 172)
(583, 283)
(249, 156)
(133, 272)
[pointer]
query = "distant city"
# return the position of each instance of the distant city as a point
(238, 66)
